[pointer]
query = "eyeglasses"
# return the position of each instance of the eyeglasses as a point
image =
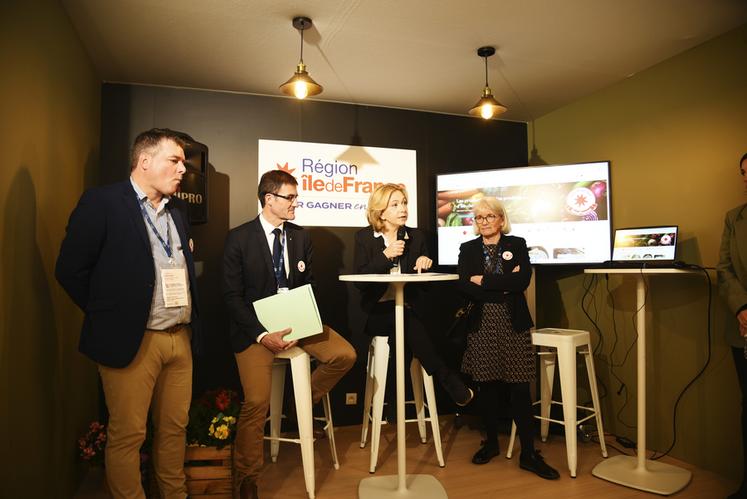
(487, 218)
(287, 197)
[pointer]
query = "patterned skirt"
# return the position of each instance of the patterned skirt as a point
(495, 352)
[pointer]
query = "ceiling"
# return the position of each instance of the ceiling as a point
(412, 54)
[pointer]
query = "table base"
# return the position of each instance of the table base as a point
(385, 487)
(656, 477)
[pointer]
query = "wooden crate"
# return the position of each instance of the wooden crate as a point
(208, 472)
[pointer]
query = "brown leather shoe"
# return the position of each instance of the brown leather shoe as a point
(248, 490)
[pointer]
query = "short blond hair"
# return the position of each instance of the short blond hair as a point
(493, 205)
(379, 201)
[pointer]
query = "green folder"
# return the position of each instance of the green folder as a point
(295, 308)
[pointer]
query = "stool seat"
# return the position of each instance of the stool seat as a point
(300, 363)
(373, 400)
(565, 345)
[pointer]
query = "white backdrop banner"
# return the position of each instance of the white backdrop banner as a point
(335, 181)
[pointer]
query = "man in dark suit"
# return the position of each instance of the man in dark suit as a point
(263, 257)
(126, 261)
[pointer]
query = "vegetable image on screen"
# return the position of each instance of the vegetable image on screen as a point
(562, 210)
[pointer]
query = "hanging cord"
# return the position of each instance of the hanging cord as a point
(700, 373)
(302, 30)
(613, 364)
(587, 301)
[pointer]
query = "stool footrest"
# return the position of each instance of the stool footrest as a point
(559, 421)
(592, 415)
(555, 402)
(284, 439)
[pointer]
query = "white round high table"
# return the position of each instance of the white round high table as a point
(637, 471)
(400, 485)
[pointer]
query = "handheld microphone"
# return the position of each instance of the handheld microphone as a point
(401, 232)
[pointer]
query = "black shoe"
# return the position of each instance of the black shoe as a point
(535, 463)
(741, 493)
(487, 452)
(319, 432)
(455, 387)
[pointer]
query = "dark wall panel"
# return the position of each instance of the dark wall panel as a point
(231, 124)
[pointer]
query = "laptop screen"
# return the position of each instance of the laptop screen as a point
(645, 244)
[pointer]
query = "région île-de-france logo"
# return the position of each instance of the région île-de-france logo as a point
(285, 168)
(332, 176)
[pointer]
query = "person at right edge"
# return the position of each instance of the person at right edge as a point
(732, 285)
(494, 271)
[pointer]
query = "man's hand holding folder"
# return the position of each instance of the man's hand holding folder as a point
(291, 316)
(275, 343)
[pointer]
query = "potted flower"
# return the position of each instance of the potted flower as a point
(210, 433)
(212, 419)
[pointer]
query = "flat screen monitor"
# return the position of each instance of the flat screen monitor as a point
(563, 211)
(640, 244)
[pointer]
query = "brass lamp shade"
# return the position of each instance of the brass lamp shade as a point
(487, 107)
(301, 85)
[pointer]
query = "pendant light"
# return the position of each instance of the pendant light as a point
(487, 107)
(301, 84)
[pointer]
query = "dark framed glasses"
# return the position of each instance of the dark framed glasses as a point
(487, 218)
(287, 197)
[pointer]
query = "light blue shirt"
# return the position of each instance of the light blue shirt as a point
(160, 316)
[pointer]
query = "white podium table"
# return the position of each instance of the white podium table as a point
(400, 485)
(637, 471)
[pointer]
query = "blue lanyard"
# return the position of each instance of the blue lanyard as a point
(165, 244)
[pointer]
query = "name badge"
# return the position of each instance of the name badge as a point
(174, 287)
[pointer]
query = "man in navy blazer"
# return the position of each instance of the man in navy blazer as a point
(262, 257)
(127, 262)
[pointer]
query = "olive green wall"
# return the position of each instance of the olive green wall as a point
(674, 134)
(49, 117)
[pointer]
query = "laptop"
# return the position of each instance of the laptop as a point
(640, 247)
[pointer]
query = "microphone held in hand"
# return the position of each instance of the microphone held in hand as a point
(401, 232)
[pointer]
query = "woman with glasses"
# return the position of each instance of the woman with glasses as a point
(494, 271)
(389, 246)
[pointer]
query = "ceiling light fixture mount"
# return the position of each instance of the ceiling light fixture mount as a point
(301, 85)
(487, 107)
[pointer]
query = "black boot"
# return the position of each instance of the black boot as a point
(535, 463)
(487, 452)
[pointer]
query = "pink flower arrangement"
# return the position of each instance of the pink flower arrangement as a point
(91, 445)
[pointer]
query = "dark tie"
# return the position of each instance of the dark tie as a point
(278, 260)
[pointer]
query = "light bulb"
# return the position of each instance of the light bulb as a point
(486, 111)
(300, 89)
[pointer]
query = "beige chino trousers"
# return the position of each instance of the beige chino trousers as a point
(160, 379)
(335, 355)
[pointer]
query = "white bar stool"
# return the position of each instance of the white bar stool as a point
(567, 343)
(376, 371)
(300, 363)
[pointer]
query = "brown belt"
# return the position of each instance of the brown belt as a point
(172, 329)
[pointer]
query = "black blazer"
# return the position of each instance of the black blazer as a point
(369, 258)
(248, 275)
(106, 266)
(508, 287)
